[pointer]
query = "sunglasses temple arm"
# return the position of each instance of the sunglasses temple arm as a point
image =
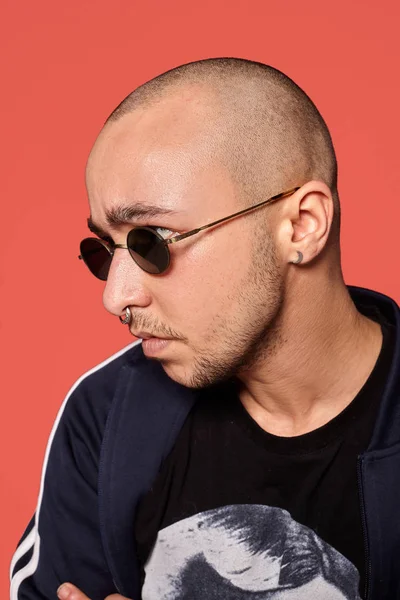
(182, 236)
(250, 208)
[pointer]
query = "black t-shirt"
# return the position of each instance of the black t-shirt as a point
(236, 512)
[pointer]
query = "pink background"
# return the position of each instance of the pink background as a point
(65, 66)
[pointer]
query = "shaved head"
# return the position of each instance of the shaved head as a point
(260, 125)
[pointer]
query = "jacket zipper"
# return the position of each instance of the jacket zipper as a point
(364, 530)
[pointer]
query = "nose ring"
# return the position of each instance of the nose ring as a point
(128, 315)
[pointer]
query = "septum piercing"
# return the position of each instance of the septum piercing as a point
(128, 315)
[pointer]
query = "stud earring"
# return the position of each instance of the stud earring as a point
(299, 258)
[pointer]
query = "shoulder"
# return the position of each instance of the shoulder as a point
(103, 377)
(90, 398)
(127, 392)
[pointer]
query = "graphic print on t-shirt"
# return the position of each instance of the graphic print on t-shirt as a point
(242, 552)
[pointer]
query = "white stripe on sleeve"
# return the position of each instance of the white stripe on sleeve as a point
(33, 538)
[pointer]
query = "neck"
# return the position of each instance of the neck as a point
(322, 354)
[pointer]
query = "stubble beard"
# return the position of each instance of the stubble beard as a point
(239, 344)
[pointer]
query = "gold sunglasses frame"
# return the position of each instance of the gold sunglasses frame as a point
(183, 236)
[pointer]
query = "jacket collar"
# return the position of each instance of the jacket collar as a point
(387, 427)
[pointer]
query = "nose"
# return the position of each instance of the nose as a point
(125, 284)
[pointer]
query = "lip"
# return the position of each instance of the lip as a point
(144, 335)
(154, 346)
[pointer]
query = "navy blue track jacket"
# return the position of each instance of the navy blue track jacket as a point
(116, 425)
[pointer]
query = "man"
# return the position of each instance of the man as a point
(249, 446)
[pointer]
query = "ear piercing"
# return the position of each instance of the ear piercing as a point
(298, 259)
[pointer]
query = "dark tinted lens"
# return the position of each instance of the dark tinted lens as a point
(97, 257)
(148, 250)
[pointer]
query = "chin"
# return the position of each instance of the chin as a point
(178, 372)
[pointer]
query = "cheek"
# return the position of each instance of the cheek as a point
(204, 280)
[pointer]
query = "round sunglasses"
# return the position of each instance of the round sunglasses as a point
(146, 246)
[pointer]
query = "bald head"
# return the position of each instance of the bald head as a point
(254, 120)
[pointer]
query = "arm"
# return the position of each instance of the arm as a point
(63, 542)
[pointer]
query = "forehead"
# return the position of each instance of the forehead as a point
(166, 154)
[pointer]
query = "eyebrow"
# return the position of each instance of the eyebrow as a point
(123, 215)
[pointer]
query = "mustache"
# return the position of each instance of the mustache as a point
(154, 328)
